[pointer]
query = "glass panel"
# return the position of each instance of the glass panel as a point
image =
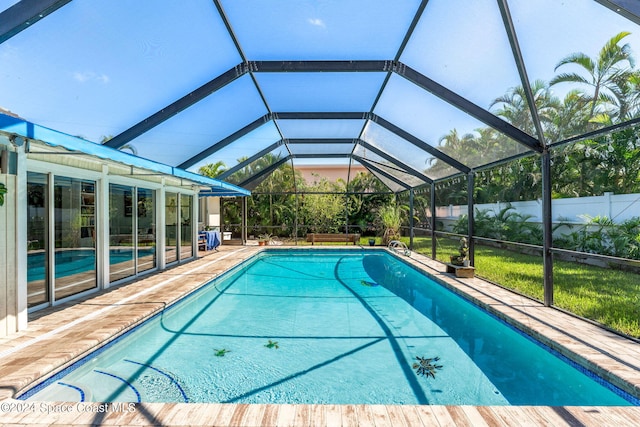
(74, 231)
(37, 254)
(389, 183)
(186, 227)
(308, 173)
(390, 168)
(203, 124)
(570, 45)
(258, 165)
(468, 50)
(171, 221)
(406, 152)
(308, 29)
(321, 149)
(6, 4)
(320, 128)
(443, 126)
(121, 242)
(81, 61)
(146, 230)
(320, 92)
(244, 147)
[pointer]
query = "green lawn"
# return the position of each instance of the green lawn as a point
(610, 297)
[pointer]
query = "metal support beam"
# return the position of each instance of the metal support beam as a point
(470, 216)
(432, 202)
(321, 141)
(264, 172)
(547, 230)
(522, 71)
(395, 161)
(176, 107)
(319, 66)
(376, 169)
(469, 107)
(24, 14)
(245, 211)
(329, 115)
(420, 144)
(225, 141)
(247, 162)
(630, 9)
(411, 219)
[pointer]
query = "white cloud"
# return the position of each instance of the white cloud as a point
(87, 76)
(317, 22)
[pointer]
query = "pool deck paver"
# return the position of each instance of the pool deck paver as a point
(59, 335)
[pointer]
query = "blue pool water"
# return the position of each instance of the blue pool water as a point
(327, 327)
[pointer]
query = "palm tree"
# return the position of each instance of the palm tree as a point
(213, 170)
(515, 109)
(604, 73)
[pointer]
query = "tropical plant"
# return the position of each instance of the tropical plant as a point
(3, 191)
(604, 74)
(390, 218)
(213, 170)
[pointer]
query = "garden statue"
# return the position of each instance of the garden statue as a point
(464, 251)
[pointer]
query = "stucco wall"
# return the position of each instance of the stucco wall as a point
(8, 260)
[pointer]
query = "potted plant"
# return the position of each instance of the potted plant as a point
(461, 259)
(372, 241)
(264, 239)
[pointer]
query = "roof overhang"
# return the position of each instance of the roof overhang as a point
(30, 131)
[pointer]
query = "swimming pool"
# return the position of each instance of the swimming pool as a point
(326, 327)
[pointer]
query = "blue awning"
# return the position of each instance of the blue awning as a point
(54, 138)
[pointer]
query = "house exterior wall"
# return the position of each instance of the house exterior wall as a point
(8, 260)
(14, 303)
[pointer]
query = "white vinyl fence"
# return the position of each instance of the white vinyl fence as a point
(617, 207)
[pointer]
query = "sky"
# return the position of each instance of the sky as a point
(94, 68)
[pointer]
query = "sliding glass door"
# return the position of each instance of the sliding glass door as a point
(146, 212)
(121, 237)
(132, 232)
(74, 236)
(179, 227)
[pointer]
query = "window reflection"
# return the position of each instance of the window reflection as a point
(121, 244)
(37, 284)
(146, 230)
(186, 233)
(74, 234)
(171, 220)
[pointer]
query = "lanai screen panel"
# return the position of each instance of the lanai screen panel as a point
(257, 166)
(406, 152)
(390, 184)
(5, 4)
(465, 48)
(321, 149)
(442, 125)
(320, 30)
(244, 147)
(94, 68)
(582, 27)
(320, 92)
(203, 124)
(387, 166)
(321, 128)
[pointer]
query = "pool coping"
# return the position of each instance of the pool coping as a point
(39, 355)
